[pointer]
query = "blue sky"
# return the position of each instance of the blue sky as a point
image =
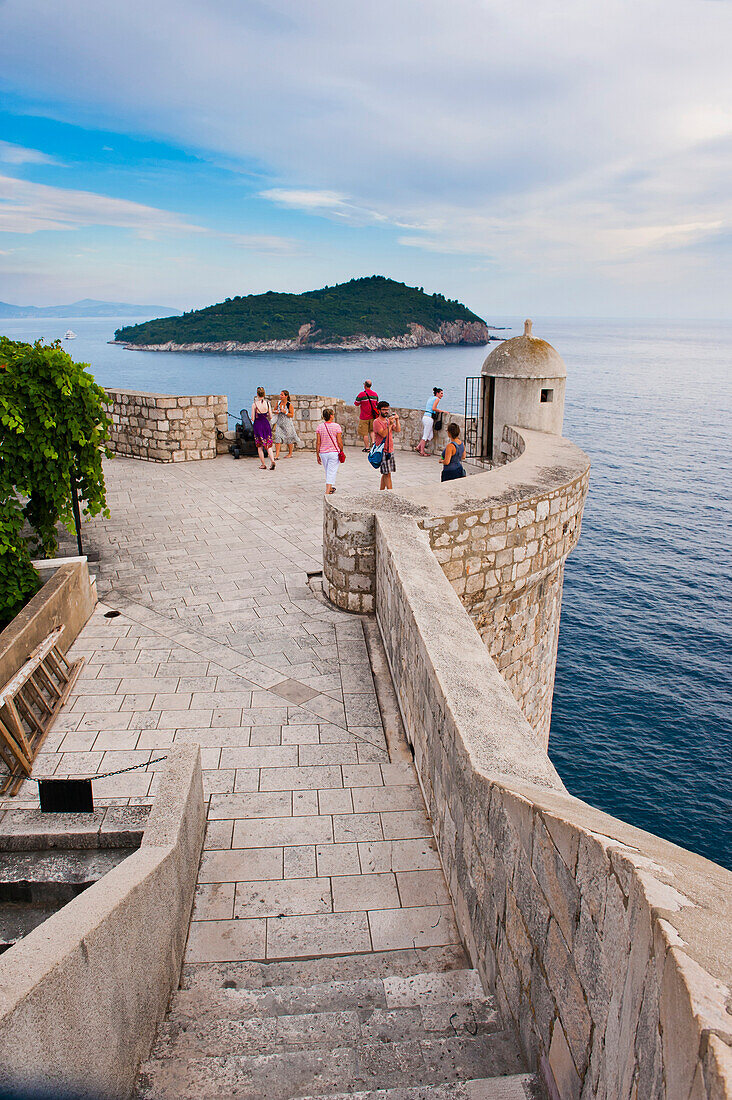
(525, 158)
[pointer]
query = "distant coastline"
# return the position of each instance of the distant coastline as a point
(88, 307)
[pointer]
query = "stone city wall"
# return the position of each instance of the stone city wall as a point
(163, 428)
(608, 948)
(506, 562)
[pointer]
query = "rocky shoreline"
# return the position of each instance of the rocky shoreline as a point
(450, 332)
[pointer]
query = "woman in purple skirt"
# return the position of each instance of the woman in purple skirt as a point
(261, 413)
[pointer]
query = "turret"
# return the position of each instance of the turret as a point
(523, 385)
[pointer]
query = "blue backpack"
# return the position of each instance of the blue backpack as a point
(376, 454)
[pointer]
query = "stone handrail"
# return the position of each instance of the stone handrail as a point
(608, 948)
(67, 598)
(82, 994)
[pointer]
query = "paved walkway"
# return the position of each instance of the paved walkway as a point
(317, 843)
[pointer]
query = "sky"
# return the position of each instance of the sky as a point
(569, 159)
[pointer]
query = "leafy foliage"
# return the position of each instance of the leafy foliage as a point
(375, 306)
(52, 429)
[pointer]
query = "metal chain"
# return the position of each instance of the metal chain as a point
(104, 775)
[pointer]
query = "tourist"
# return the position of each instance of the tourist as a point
(431, 414)
(261, 413)
(367, 410)
(453, 455)
(285, 431)
(384, 427)
(328, 448)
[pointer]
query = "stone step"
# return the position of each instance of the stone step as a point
(520, 1086)
(379, 964)
(415, 990)
(17, 921)
(365, 1066)
(311, 1030)
(48, 878)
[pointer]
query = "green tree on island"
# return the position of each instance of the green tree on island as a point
(374, 306)
(53, 428)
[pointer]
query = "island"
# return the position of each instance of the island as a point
(368, 314)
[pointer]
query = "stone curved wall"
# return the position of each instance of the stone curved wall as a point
(608, 948)
(501, 538)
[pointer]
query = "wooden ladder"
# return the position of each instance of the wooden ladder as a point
(29, 703)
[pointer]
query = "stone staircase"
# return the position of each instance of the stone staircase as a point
(398, 1025)
(36, 884)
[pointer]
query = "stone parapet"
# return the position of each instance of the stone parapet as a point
(164, 428)
(608, 949)
(82, 994)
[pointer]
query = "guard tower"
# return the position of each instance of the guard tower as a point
(522, 384)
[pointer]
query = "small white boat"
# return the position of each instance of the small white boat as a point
(69, 335)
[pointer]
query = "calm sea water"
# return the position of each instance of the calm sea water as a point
(642, 723)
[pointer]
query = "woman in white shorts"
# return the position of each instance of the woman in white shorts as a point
(428, 420)
(328, 448)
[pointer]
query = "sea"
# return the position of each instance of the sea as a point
(642, 719)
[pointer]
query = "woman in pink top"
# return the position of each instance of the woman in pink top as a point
(328, 446)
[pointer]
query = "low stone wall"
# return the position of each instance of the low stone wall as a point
(66, 599)
(609, 949)
(81, 996)
(162, 428)
(308, 414)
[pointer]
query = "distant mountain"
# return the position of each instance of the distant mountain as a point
(87, 307)
(371, 314)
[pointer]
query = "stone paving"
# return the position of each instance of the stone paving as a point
(317, 842)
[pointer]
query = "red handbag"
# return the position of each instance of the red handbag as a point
(341, 454)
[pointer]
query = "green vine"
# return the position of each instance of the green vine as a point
(52, 430)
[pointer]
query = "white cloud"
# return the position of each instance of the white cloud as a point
(17, 154)
(535, 136)
(329, 204)
(27, 207)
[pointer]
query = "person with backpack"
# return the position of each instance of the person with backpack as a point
(329, 448)
(385, 425)
(368, 411)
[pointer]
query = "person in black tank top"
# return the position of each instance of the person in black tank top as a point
(452, 456)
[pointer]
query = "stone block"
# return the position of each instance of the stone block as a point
(569, 996)
(563, 1069)
(556, 881)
